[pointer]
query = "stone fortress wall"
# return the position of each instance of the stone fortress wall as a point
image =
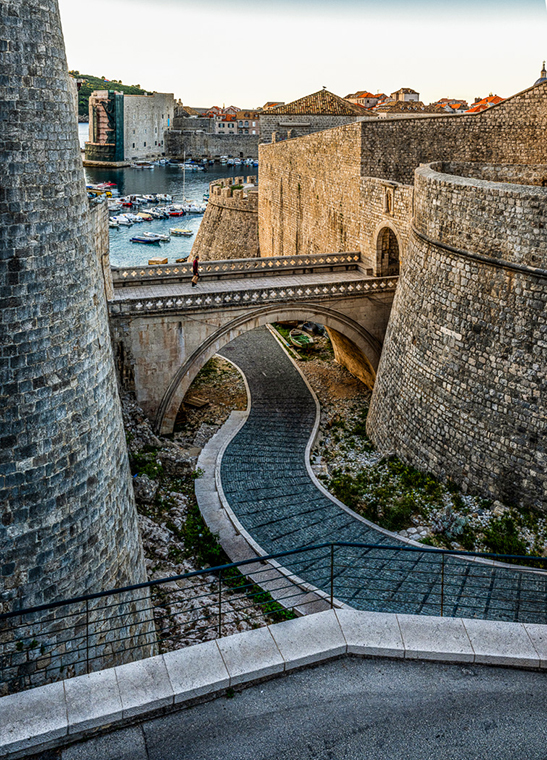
(461, 386)
(195, 144)
(68, 522)
(146, 119)
(274, 127)
(229, 229)
(460, 383)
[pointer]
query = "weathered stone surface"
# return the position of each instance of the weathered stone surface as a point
(461, 383)
(68, 520)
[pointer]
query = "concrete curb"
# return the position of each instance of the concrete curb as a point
(60, 713)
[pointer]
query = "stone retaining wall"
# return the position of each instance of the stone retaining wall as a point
(461, 383)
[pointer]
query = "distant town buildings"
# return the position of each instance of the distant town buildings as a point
(484, 103)
(405, 95)
(128, 127)
(364, 98)
(248, 122)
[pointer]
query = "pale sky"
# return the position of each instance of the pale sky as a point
(246, 52)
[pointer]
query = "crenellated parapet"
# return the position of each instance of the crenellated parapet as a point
(230, 225)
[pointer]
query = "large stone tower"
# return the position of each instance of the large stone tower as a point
(68, 521)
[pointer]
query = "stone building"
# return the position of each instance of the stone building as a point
(405, 95)
(364, 98)
(460, 389)
(68, 521)
(313, 113)
(128, 127)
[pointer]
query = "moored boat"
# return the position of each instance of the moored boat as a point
(146, 239)
(164, 238)
(122, 220)
(300, 339)
(180, 232)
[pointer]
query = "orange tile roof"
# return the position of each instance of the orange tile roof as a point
(320, 103)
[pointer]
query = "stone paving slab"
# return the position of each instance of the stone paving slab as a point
(54, 715)
(309, 639)
(208, 287)
(93, 700)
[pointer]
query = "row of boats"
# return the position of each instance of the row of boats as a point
(155, 238)
(147, 213)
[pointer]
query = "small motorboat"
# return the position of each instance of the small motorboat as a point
(196, 208)
(134, 218)
(150, 198)
(180, 232)
(160, 235)
(175, 211)
(300, 339)
(113, 224)
(122, 220)
(146, 217)
(164, 198)
(146, 239)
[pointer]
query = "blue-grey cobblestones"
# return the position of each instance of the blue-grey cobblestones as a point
(266, 483)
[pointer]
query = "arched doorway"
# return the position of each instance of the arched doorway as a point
(387, 253)
(367, 349)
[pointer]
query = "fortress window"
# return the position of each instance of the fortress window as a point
(145, 145)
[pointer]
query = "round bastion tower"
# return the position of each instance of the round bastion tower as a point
(461, 388)
(68, 521)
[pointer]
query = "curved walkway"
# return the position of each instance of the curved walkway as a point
(267, 485)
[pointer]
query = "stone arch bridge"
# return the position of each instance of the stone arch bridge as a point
(164, 330)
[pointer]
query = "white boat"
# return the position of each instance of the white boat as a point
(164, 198)
(195, 208)
(113, 224)
(150, 198)
(122, 220)
(134, 218)
(156, 235)
(180, 232)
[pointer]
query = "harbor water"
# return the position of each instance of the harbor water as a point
(160, 179)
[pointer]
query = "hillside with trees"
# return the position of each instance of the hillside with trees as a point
(91, 83)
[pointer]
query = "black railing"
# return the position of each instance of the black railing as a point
(75, 636)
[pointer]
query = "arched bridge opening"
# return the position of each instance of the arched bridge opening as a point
(354, 346)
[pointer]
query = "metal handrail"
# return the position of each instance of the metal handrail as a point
(500, 558)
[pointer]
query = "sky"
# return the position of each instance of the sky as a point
(247, 52)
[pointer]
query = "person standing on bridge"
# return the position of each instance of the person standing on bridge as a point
(195, 271)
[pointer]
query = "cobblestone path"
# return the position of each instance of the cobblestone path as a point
(267, 485)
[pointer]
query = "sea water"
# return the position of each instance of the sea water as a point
(160, 179)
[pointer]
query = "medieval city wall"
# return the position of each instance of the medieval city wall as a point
(146, 118)
(460, 390)
(299, 125)
(511, 132)
(202, 144)
(229, 229)
(317, 193)
(309, 200)
(69, 524)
